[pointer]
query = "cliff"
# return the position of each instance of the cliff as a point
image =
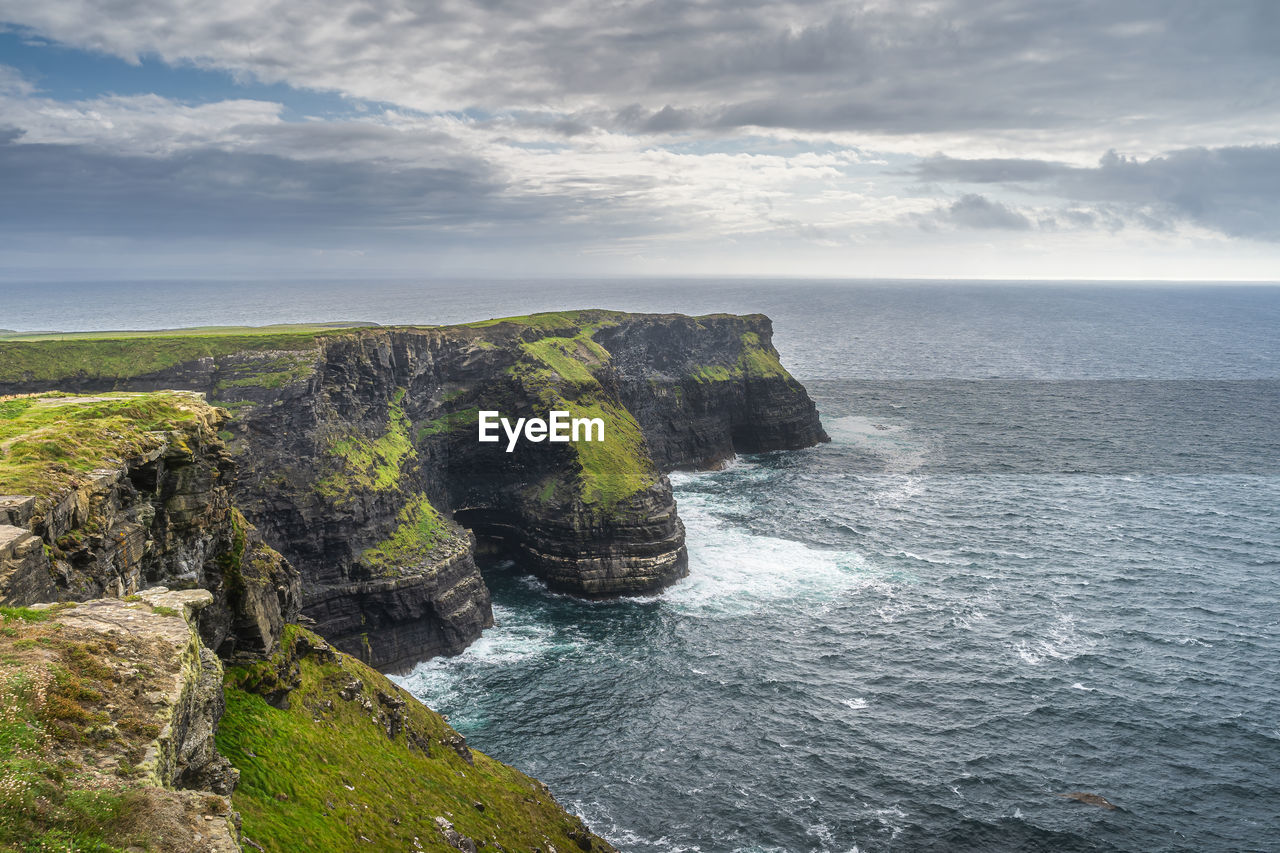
(110, 494)
(116, 728)
(117, 733)
(358, 457)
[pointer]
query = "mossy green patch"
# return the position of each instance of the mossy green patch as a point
(560, 372)
(420, 530)
(618, 467)
(755, 361)
(327, 775)
(26, 614)
(571, 358)
(554, 319)
(758, 361)
(55, 437)
(274, 372)
(448, 423)
(370, 464)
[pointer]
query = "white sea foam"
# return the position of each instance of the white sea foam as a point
(1062, 641)
(892, 442)
(438, 682)
(734, 572)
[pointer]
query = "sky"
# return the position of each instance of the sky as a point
(1086, 139)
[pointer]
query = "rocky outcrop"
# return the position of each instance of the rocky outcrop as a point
(128, 698)
(160, 514)
(704, 389)
(358, 457)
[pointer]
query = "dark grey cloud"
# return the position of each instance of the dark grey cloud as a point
(207, 193)
(986, 171)
(976, 211)
(1234, 190)
(79, 189)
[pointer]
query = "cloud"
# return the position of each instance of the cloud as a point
(975, 211)
(643, 128)
(986, 171)
(1234, 190)
(76, 189)
(818, 65)
(12, 82)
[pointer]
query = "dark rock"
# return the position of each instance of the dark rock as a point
(1089, 799)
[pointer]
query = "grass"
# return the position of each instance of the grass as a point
(325, 775)
(618, 467)
(55, 708)
(370, 464)
(449, 423)
(755, 361)
(421, 528)
(49, 440)
(25, 614)
(559, 371)
(126, 355)
(191, 331)
(553, 319)
(758, 362)
(571, 358)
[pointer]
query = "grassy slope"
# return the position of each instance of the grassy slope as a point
(48, 440)
(324, 775)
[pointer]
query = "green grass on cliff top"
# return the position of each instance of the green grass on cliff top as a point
(324, 775)
(190, 331)
(560, 372)
(124, 355)
(49, 440)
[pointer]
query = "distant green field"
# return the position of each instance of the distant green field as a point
(50, 357)
(192, 331)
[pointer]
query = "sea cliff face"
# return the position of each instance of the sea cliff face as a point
(358, 460)
(121, 493)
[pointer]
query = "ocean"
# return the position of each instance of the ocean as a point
(1041, 555)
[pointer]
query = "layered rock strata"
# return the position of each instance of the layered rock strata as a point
(155, 510)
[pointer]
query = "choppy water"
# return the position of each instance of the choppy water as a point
(1040, 555)
(881, 647)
